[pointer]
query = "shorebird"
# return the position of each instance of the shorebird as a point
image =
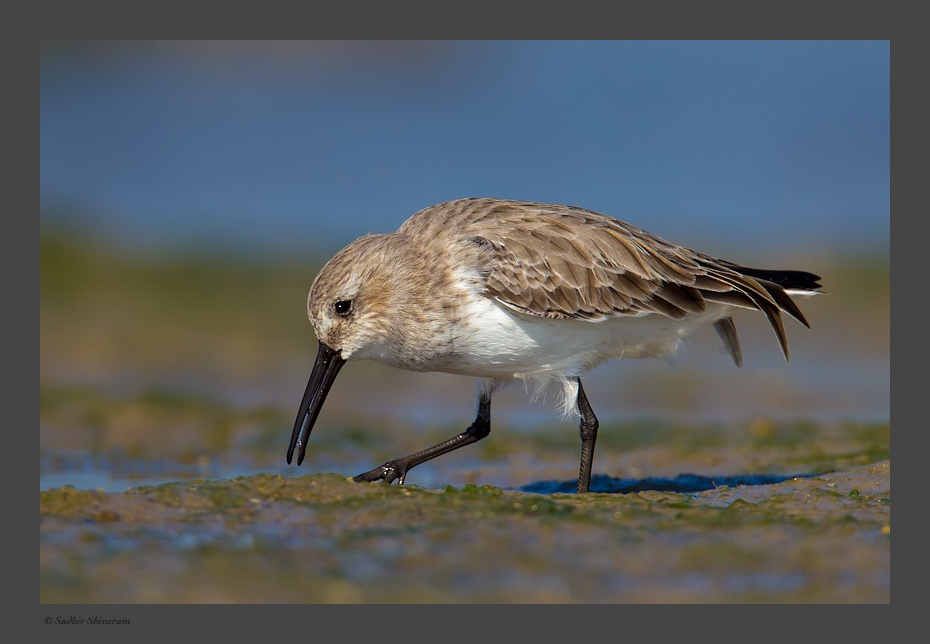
(514, 291)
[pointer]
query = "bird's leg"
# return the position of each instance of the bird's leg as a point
(398, 468)
(588, 430)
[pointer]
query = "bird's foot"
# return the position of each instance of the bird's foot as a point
(388, 473)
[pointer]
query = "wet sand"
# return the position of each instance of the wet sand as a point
(267, 538)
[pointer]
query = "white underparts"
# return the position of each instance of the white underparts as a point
(502, 346)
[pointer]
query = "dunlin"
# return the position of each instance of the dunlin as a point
(517, 291)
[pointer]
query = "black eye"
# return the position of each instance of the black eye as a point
(343, 307)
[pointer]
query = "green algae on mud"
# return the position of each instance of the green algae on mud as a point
(323, 538)
(239, 498)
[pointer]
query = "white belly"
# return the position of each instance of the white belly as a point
(494, 342)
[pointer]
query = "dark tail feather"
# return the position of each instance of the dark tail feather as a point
(797, 280)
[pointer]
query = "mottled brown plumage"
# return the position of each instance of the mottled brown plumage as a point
(564, 262)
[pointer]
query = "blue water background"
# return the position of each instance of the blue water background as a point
(283, 146)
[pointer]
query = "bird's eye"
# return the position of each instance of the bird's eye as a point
(343, 307)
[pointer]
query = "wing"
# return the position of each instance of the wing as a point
(564, 262)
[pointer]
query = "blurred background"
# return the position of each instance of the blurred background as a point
(190, 191)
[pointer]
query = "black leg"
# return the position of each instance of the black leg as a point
(398, 468)
(588, 429)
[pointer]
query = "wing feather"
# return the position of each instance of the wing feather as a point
(727, 332)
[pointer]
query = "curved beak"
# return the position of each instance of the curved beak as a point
(327, 365)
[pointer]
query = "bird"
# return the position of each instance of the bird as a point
(517, 291)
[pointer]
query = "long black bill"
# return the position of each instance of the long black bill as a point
(327, 365)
